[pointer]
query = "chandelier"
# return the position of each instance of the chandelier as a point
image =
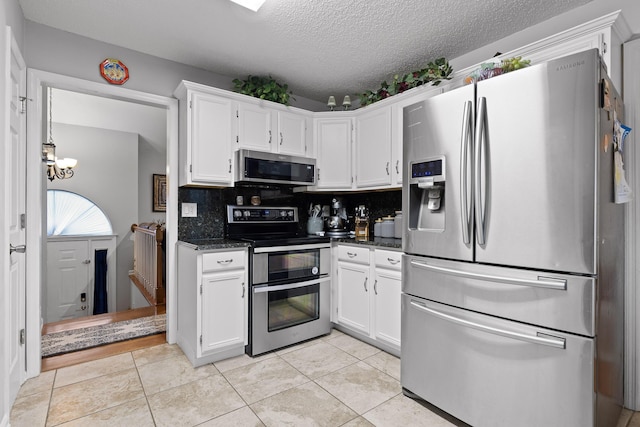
(56, 168)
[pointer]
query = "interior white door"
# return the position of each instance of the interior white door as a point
(68, 289)
(15, 182)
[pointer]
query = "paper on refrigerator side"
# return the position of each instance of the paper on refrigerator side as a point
(622, 190)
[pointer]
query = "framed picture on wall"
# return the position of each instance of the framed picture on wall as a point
(159, 193)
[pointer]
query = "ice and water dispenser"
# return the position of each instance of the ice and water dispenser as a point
(427, 190)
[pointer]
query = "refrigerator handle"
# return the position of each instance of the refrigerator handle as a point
(540, 339)
(480, 139)
(541, 282)
(465, 208)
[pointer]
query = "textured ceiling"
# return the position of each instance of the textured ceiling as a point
(317, 47)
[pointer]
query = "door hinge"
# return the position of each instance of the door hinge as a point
(23, 103)
(604, 47)
(23, 221)
(23, 336)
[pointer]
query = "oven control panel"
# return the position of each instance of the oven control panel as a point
(261, 214)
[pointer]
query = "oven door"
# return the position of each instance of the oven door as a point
(278, 264)
(286, 314)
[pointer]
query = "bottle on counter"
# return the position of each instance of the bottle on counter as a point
(377, 228)
(388, 227)
(397, 222)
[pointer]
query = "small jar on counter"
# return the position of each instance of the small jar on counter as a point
(397, 222)
(377, 228)
(388, 227)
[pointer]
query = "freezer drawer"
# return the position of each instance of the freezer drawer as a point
(494, 372)
(552, 300)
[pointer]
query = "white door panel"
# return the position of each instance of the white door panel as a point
(67, 279)
(14, 178)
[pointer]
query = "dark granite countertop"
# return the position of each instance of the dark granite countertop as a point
(383, 242)
(213, 244)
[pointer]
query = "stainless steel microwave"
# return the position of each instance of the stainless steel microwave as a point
(256, 166)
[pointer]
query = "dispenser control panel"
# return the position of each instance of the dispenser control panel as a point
(430, 168)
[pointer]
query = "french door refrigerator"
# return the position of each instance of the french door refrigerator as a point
(512, 305)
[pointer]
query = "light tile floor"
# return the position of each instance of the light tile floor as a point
(335, 380)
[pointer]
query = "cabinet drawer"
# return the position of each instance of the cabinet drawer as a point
(217, 261)
(353, 254)
(388, 259)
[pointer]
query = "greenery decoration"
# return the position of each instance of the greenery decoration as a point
(433, 73)
(264, 88)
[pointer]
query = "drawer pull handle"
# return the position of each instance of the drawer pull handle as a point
(224, 261)
(541, 282)
(539, 338)
(365, 284)
(393, 261)
(375, 287)
(352, 254)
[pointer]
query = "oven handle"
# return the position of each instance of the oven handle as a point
(290, 248)
(266, 288)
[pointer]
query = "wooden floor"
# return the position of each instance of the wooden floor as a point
(80, 356)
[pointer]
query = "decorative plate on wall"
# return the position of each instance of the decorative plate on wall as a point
(114, 71)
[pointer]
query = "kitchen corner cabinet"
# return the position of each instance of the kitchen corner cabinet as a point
(212, 304)
(354, 288)
(333, 136)
(387, 289)
(206, 128)
(373, 166)
(368, 289)
(266, 129)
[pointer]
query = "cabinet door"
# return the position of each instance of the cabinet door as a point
(254, 127)
(210, 138)
(292, 131)
(222, 311)
(373, 148)
(353, 296)
(333, 140)
(387, 290)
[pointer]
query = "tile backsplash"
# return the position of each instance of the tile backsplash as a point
(210, 220)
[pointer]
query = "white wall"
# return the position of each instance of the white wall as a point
(148, 122)
(107, 161)
(57, 51)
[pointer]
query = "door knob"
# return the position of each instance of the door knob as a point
(20, 249)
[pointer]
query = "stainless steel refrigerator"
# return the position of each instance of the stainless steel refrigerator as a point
(512, 305)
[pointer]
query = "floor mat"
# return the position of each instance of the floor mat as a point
(79, 339)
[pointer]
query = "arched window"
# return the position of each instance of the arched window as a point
(70, 214)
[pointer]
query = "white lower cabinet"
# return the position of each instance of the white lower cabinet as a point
(368, 289)
(212, 304)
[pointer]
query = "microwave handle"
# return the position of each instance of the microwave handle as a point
(267, 288)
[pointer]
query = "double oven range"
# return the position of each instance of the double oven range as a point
(288, 274)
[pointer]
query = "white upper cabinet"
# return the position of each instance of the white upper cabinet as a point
(292, 134)
(373, 148)
(254, 127)
(267, 129)
(333, 142)
(206, 128)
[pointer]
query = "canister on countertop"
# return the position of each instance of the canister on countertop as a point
(387, 228)
(377, 228)
(397, 222)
